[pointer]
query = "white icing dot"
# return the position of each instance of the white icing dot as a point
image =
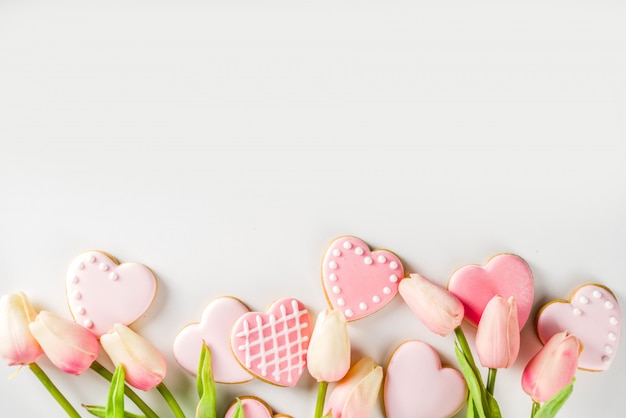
(613, 320)
(608, 304)
(393, 278)
(376, 299)
(358, 251)
(91, 258)
(75, 279)
(336, 252)
(606, 359)
(386, 290)
(362, 306)
(577, 312)
(332, 277)
(347, 245)
(104, 266)
(76, 295)
(368, 260)
(80, 310)
(612, 336)
(608, 349)
(113, 276)
(597, 294)
(336, 290)
(88, 323)
(584, 300)
(341, 302)
(393, 265)
(382, 259)
(349, 313)
(332, 265)
(81, 266)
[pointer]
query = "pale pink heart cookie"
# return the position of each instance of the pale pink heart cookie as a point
(358, 281)
(253, 407)
(101, 292)
(214, 329)
(273, 345)
(593, 316)
(505, 275)
(417, 386)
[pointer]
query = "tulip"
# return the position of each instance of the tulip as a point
(552, 368)
(498, 335)
(144, 365)
(355, 394)
(328, 355)
(17, 344)
(439, 310)
(69, 346)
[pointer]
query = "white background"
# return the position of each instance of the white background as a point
(224, 144)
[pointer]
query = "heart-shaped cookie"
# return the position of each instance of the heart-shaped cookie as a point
(505, 275)
(417, 386)
(214, 329)
(101, 292)
(253, 407)
(273, 345)
(593, 316)
(358, 281)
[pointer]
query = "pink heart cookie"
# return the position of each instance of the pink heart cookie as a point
(358, 281)
(214, 329)
(417, 386)
(505, 275)
(253, 407)
(273, 346)
(593, 316)
(101, 292)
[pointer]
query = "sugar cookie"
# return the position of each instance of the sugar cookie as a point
(253, 407)
(593, 316)
(358, 281)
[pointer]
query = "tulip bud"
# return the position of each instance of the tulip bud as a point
(498, 335)
(355, 395)
(439, 310)
(328, 355)
(552, 368)
(17, 344)
(69, 346)
(144, 365)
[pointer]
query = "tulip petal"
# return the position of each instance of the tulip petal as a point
(17, 344)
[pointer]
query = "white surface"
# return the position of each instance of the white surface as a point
(225, 144)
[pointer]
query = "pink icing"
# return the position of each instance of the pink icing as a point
(417, 386)
(214, 329)
(358, 281)
(505, 275)
(102, 293)
(593, 316)
(273, 346)
(252, 408)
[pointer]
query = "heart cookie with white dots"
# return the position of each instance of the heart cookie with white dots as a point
(253, 407)
(593, 316)
(214, 329)
(102, 292)
(358, 281)
(417, 386)
(273, 346)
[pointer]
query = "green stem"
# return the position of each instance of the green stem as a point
(536, 407)
(491, 380)
(321, 397)
(54, 391)
(460, 336)
(130, 394)
(169, 398)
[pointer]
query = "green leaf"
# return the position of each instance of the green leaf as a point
(206, 386)
(238, 410)
(552, 406)
(473, 383)
(200, 369)
(100, 411)
(494, 408)
(471, 409)
(115, 400)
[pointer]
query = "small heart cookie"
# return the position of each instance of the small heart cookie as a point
(505, 275)
(253, 407)
(358, 281)
(417, 386)
(593, 316)
(214, 329)
(102, 292)
(273, 345)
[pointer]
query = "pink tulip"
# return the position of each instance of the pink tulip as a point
(144, 365)
(328, 355)
(497, 336)
(17, 344)
(439, 310)
(355, 395)
(552, 368)
(69, 346)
